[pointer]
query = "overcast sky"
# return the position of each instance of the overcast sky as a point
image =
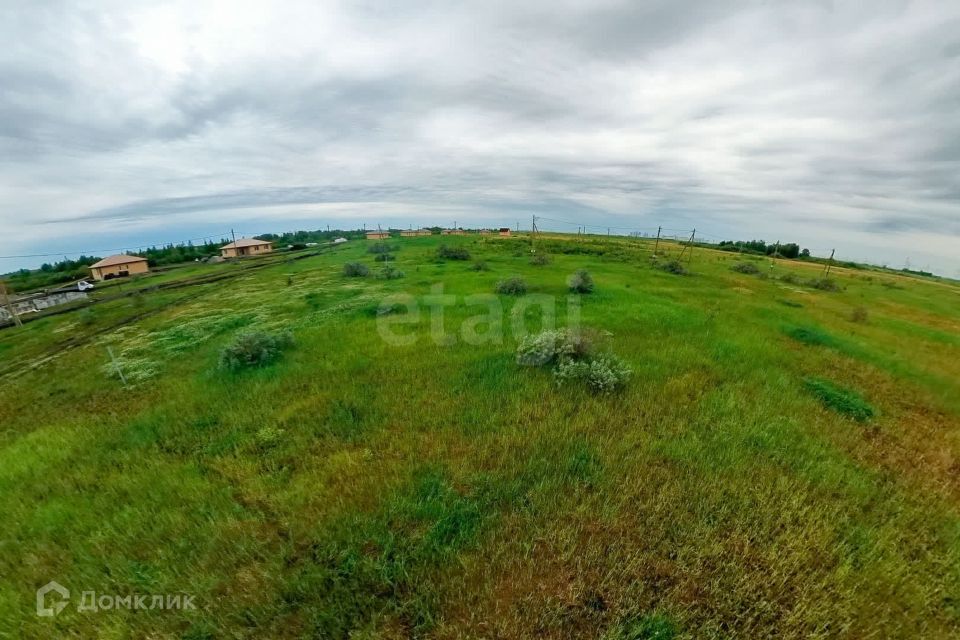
(832, 124)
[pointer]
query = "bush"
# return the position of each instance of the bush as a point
(391, 309)
(746, 267)
(540, 259)
(254, 349)
(603, 374)
(674, 267)
(811, 336)
(390, 273)
(580, 282)
(824, 284)
(512, 286)
(789, 278)
(379, 248)
(860, 315)
(355, 270)
(452, 253)
(843, 400)
(550, 347)
(86, 317)
(480, 265)
(384, 257)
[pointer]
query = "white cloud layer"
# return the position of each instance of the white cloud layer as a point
(833, 124)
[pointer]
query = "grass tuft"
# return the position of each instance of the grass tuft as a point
(845, 401)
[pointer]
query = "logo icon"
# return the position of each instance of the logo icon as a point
(58, 603)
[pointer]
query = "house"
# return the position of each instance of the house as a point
(377, 235)
(410, 233)
(485, 232)
(246, 247)
(453, 232)
(504, 231)
(118, 266)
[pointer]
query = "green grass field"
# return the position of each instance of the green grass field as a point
(783, 463)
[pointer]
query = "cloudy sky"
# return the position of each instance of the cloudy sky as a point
(832, 124)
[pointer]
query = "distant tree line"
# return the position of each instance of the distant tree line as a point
(297, 239)
(759, 247)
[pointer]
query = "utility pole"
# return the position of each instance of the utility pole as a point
(533, 233)
(656, 245)
(116, 365)
(826, 268)
(692, 235)
(234, 236)
(8, 305)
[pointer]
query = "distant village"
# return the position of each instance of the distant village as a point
(128, 265)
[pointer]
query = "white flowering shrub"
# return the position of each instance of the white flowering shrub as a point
(549, 347)
(604, 373)
(572, 353)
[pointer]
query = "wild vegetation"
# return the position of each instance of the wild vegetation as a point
(752, 464)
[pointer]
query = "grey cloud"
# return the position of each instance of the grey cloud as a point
(743, 117)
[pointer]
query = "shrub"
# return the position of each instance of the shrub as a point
(86, 317)
(604, 373)
(549, 347)
(845, 401)
(391, 309)
(651, 626)
(790, 278)
(268, 437)
(540, 259)
(790, 303)
(480, 265)
(355, 270)
(452, 253)
(313, 300)
(384, 257)
(580, 282)
(379, 248)
(746, 267)
(512, 286)
(860, 315)
(254, 349)
(390, 272)
(674, 267)
(811, 335)
(824, 284)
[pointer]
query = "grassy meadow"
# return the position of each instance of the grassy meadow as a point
(783, 463)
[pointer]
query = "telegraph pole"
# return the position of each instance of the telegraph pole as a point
(656, 245)
(826, 268)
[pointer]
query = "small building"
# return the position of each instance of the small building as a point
(453, 232)
(377, 235)
(504, 231)
(118, 266)
(35, 302)
(485, 232)
(246, 247)
(411, 233)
